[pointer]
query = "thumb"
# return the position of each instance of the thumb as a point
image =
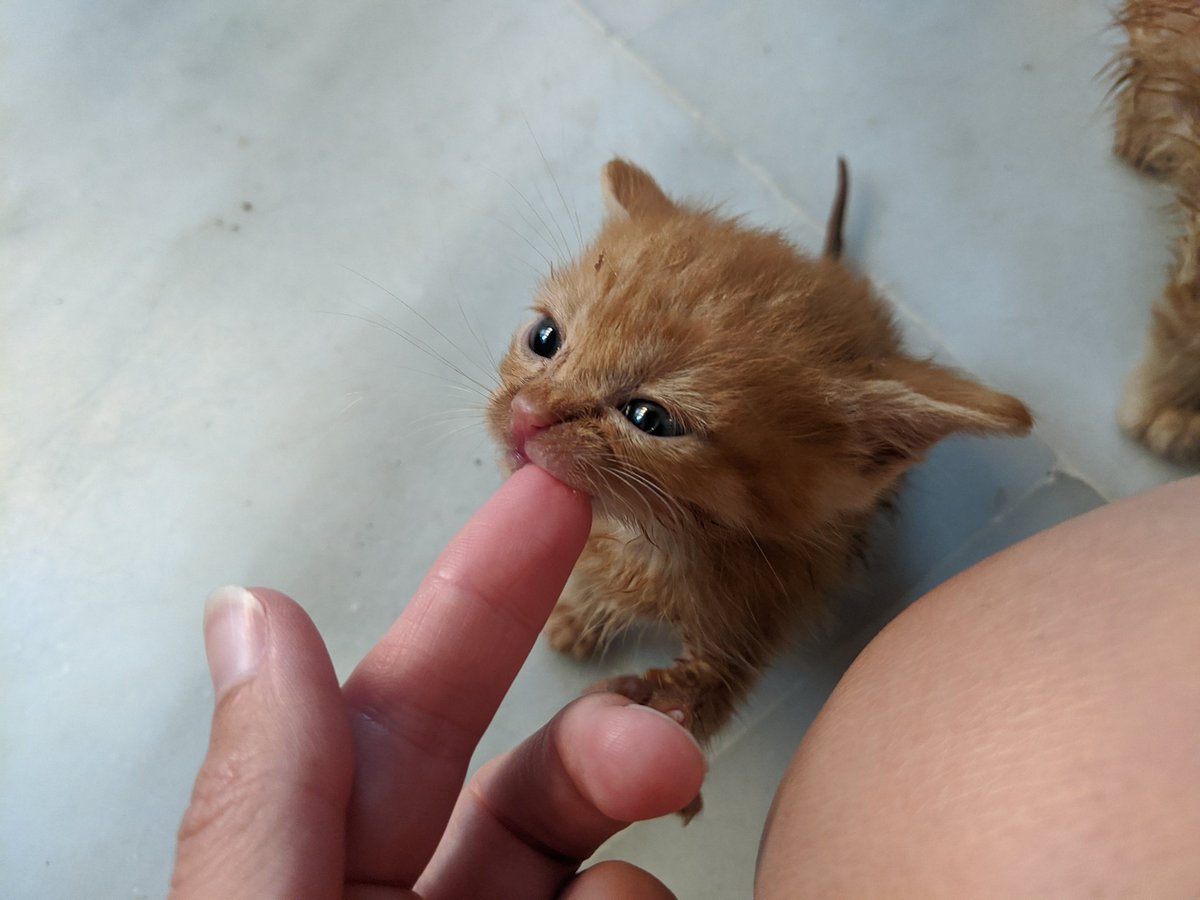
(267, 814)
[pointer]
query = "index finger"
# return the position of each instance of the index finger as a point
(421, 699)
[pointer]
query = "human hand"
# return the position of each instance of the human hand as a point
(311, 790)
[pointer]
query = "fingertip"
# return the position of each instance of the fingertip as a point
(267, 813)
(548, 804)
(242, 624)
(256, 634)
(630, 761)
(536, 488)
(615, 878)
(544, 479)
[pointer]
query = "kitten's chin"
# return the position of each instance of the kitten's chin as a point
(531, 455)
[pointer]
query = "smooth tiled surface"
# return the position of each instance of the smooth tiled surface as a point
(198, 199)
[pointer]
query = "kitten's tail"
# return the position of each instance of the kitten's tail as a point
(833, 230)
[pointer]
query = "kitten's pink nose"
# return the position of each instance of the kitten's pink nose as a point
(528, 418)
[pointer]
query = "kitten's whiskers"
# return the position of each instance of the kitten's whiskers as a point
(558, 188)
(481, 390)
(420, 343)
(562, 248)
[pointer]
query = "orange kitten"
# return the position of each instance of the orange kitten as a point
(739, 411)
(1158, 131)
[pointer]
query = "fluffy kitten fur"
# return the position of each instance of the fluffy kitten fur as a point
(799, 410)
(1157, 130)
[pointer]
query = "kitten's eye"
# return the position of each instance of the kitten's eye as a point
(651, 418)
(544, 339)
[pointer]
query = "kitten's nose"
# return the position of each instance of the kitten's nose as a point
(529, 417)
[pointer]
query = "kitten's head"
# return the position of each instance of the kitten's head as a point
(689, 370)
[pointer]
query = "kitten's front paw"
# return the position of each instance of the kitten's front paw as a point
(1169, 429)
(650, 690)
(568, 632)
(1171, 432)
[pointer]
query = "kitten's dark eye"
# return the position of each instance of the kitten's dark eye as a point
(651, 418)
(544, 339)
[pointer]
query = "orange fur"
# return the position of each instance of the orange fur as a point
(801, 412)
(1158, 130)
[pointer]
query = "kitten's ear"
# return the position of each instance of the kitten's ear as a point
(630, 192)
(901, 415)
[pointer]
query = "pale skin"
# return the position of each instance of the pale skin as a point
(311, 790)
(1031, 728)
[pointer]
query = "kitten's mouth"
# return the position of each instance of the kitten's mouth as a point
(523, 450)
(517, 458)
(517, 436)
(527, 422)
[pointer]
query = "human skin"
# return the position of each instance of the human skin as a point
(1029, 729)
(311, 790)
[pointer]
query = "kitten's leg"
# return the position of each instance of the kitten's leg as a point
(1155, 131)
(582, 624)
(1161, 406)
(1156, 127)
(706, 684)
(700, 692)
(593, 607)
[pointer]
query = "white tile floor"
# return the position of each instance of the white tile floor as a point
(199, 199)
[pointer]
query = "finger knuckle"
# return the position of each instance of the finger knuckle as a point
(223, 795)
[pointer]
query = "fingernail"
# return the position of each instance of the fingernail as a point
(235, 635)
(639, 708)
